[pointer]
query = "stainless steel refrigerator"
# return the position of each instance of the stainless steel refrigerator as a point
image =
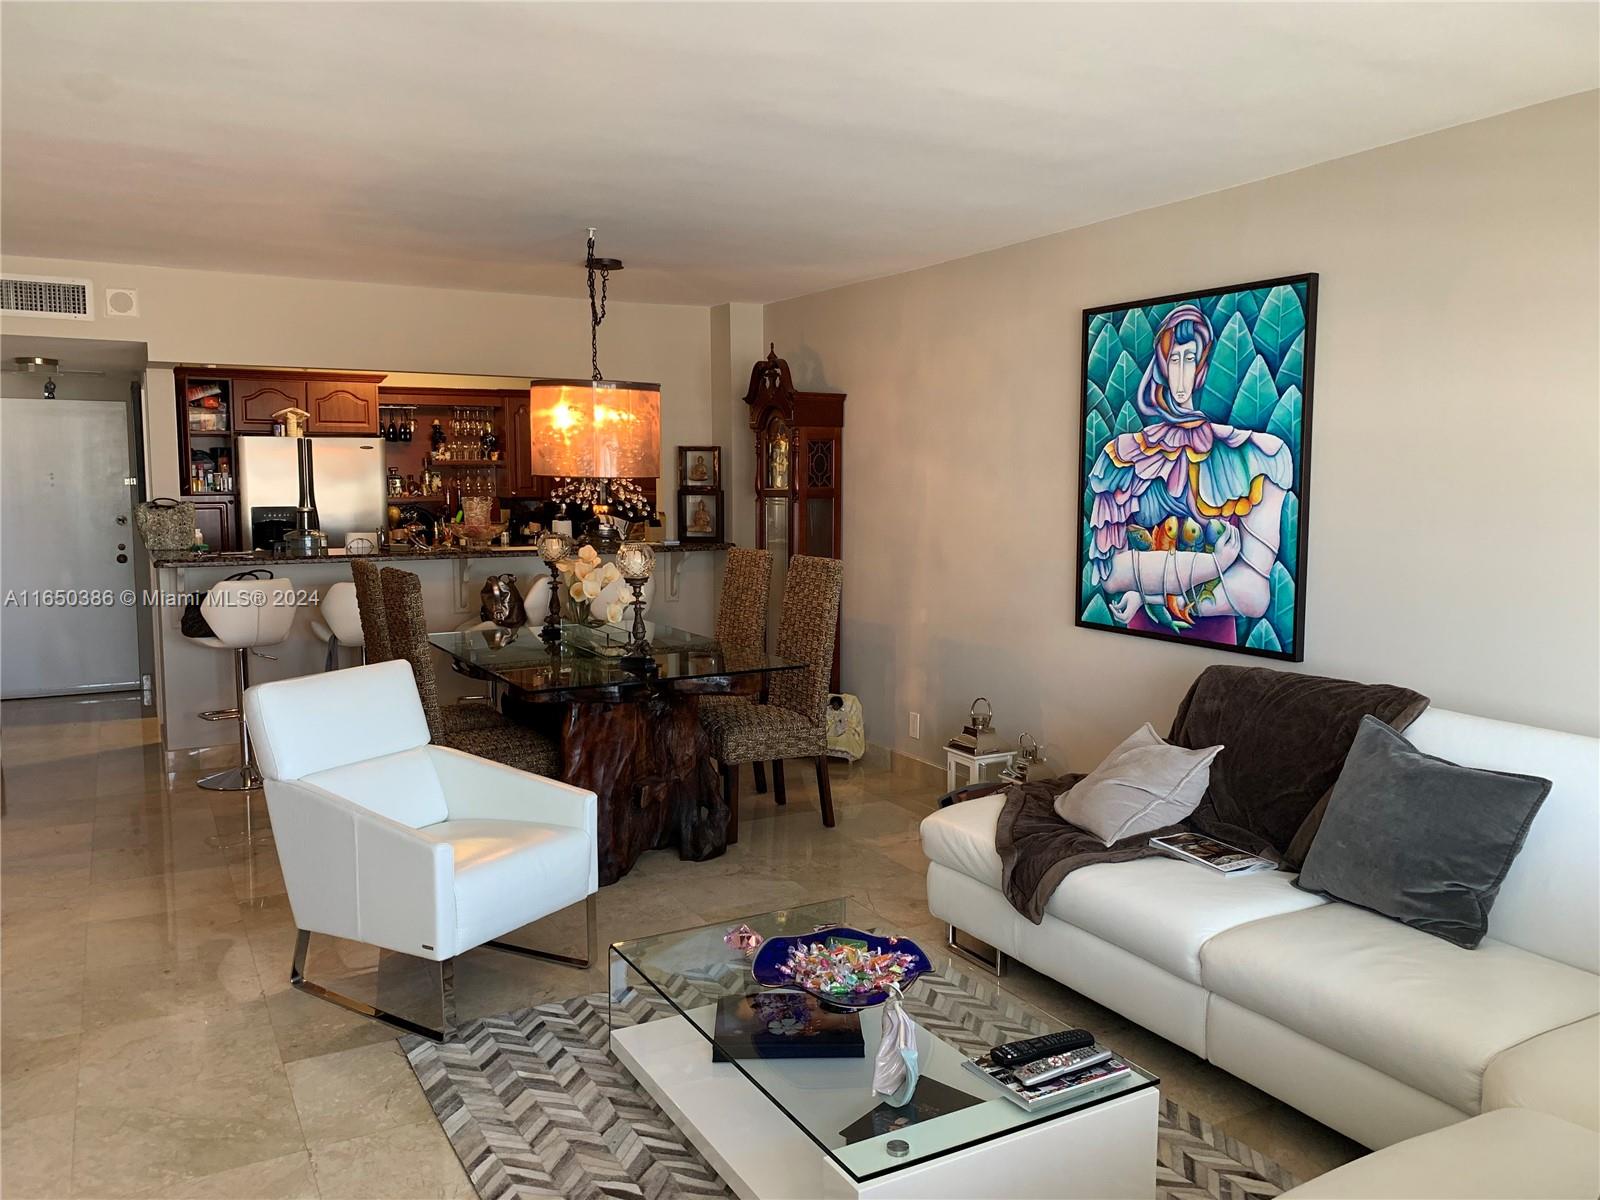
(349, 477)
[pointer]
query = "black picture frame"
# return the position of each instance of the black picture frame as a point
(1300, 490)
(713, 463)
(713, 498)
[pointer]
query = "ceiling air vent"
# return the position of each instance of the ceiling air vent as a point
(47, 296)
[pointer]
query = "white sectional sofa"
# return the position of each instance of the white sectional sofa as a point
(1374, 1028)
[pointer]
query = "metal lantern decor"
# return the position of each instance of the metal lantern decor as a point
(1027, 763)
(554, 548)
(596, 435)
(978, 736)
(636, 560)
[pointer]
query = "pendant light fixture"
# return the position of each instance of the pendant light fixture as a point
(597, 436)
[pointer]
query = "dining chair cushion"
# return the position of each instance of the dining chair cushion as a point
(498, 864)
(509, 743)
(742, 732)
(458, 718)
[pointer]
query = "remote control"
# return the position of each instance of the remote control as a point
(1016, 1054)
(1046, 1069)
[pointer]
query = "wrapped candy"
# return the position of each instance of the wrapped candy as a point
(743, 939)
(844, 969)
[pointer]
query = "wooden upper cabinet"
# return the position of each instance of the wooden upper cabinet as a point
(255, 400)
(342, 406)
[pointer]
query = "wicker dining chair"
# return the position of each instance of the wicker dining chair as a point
(471, 728)
(793, 722)
(374, 615)
(742, 608)
(742, 618)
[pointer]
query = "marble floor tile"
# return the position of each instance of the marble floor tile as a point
(178, 1133)
(411, 1161)
(140, 1059)
(286, 1178)
(352, 1093)
(36, 1154)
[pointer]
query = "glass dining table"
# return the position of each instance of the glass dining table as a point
(633, 738)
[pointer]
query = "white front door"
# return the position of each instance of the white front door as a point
(68, 623)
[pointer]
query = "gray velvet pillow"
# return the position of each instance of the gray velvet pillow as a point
(1420, 839)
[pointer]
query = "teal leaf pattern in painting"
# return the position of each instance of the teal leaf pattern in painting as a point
(1280, 321)
(1289, 533)
(1096, 613)
(1285, 423)
(1262, 637)
(1292, 372)
(1096, 323)
(1104, 351)
(1280, 609)
(1086, 581)
(1098, 403)
(1123, 385)
(1157, 313)
(1255, 399)
(1230, 359)
(1127, 420)
(1136, 336)
(1095, 436)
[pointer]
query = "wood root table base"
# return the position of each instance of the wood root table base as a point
(649, 762)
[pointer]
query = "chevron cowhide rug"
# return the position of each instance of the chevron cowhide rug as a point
(536, 1106)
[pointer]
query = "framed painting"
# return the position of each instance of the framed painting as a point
(1194, 462)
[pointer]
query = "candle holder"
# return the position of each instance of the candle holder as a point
(554, 548)
(636, 560)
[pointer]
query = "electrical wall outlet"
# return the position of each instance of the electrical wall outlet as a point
(914, 727)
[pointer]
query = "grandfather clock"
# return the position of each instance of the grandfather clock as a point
(799, 457)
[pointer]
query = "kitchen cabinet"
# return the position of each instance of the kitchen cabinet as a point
(342, 406)
(520, 480)
(255, 400)
(213, 517)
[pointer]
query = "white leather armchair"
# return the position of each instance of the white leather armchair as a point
(416, 848)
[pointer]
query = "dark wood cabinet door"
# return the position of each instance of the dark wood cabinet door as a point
(255, 400)
(342, 406)
(519, 468)
(213, 517)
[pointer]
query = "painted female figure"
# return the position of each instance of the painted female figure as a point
(1186, 511)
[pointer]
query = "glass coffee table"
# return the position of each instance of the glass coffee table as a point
(809, 1126)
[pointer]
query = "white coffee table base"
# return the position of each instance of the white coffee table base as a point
(1102, 1153)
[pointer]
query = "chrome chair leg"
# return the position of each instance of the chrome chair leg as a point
(564, 959)
(447, 995)
(996, 966)
(244, 777)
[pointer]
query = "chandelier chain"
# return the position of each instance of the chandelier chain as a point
(597, 312)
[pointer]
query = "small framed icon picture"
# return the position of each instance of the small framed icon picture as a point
(699, 516)
(700, 468)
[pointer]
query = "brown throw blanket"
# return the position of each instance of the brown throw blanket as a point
(1038, 849)
(1286, 737)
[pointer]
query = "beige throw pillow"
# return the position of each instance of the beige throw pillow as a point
(1145, 783)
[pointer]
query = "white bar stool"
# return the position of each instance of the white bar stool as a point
(338, 622)
(244, 614)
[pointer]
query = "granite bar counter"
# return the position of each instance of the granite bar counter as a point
(191, 677)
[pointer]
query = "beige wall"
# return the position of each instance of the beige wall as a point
(1454, 473)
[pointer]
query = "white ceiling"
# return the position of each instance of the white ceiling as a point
(726, 151)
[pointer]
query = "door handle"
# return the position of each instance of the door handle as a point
(122, 558)
(122, 520)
